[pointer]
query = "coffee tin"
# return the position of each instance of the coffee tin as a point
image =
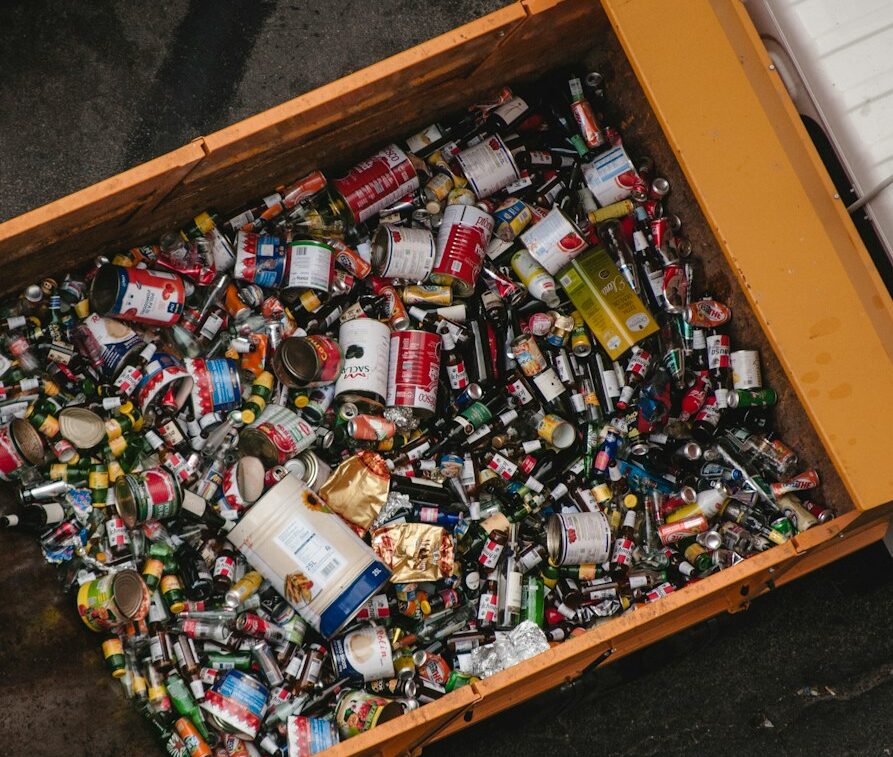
(309, 555)
(462, 241)
(113, 600)
(356, 712)
(235, 703)
(413, 371)
(377, 182)
(364, 375)
(364, 653)
(138, 294)
(402, 253)
(578, 538)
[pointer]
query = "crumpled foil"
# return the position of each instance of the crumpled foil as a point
(393, 506)
(522, 642)
(402, 417)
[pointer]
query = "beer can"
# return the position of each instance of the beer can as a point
(670, 533)
(462, 241)
(277, 435)
(578, 538)
(235, 703)
(413, 371)
(402, 253)
(746, 369)
(356, 712)
(364, 375)
(216, 385)
(260, 259)
(113, 600)
(364, 653)
(309, 555)
(138, 294)
(243, 482)
(377, 182)
(489, 166)
(310, 265)
(554, 241)
(744, 398)
(110, 344)
(611, 176)
(307, 361)
(307, 736)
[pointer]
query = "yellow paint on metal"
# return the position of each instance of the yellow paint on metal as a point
(772, 207)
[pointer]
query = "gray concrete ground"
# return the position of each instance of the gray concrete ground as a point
(89, 89)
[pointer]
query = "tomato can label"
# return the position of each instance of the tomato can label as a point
(611, 176)
(310, 265)
(289, 433)
(461, 245)
(216, 385)
(158, 491)
(364, 653)
(259, 259)
(365, 343)
(488, 166)
(554, 241)
(377, 182)
(414, 369)
(153, 297)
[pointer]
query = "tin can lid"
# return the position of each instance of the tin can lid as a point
(131, 594)
(250, 475)
(82, 427)
(299, 358)
(28, 441)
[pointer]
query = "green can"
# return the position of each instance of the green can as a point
(533, 600)
(743, 398)
(229, 660)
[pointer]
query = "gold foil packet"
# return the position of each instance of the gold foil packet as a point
(358, 489)
(414, 551)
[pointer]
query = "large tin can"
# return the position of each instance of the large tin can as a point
(216, 385)
(310, 265)
(461, 245)
(113, 600)
(402, 253)
(489, 166)
(309, 555)
(111, 345)
(365, 343)
(151, 495)
(277, 435)
(414, 368)
(138, 294)
(357, 711)
(578, 538)
(377, 182)
(364, 653)
(307, 361)
(611, 176)
(554, 241)
(236, 703)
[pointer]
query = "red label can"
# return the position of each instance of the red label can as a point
(413, 371)
(461, 245)
(138, 294)
(377, 182)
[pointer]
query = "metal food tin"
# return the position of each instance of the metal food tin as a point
(462, 241)
(216, 385)
(164, 374)
(357, 712)
(403, 253)
(489, 166)
(111, 345)
(150, 495)
(413, 371)
(307, 361)
(364, 375)
(377, 182)
(113, 600)
(277, 435)
(309, 555)
(236, 703)
(138, 294)
(578, 538)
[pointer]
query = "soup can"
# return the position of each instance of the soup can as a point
(462, 241)
(243, 482)
(364, 375)
(260, 259)
(150, 495)
(307, 361)
(402, 253)
(235, 703)
(309, 555)
(413, 371)
(554, 241)
(357, 711)
(364, 653)
(377, 182)
(216, 385)
(138, 294)
(113, 600)
(277, 435)
(611, 176)
(20, 445)
(111, 345)
(310, 265)
(489, 166)
(578, 538)
(164, 374)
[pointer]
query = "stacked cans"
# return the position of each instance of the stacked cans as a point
(304, 462)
